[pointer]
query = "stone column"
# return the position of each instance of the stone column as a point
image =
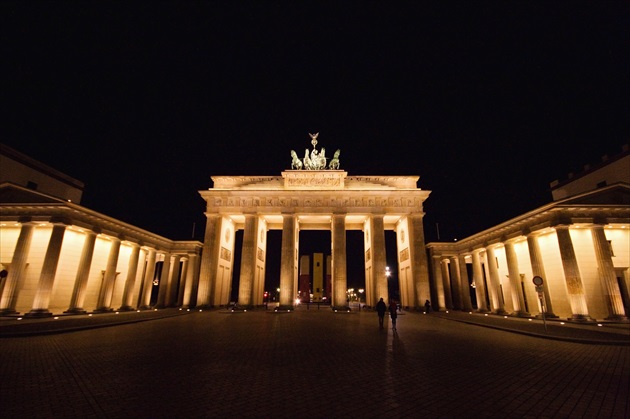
(515, 280)
(109, 278)
(130, 282)
(182, 281)
(171, 297)
(575, 289)
(464, 283)
(147, 282)
(379, 259)
(498, 306)
(191, 275)
(607, 274)
(287, 262)
(456, 287)
(339, 274)
(209, 256)
(83, 273)
(419, 261)
(446, 276)
(248, 262)
(164, 276)
(47, 276)
(15, 278)
(438, 283)
(538, 269)
(480, 286)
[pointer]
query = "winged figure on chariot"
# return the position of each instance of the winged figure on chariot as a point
(314, 160)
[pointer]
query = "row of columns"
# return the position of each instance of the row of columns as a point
(10, 290)
(377, 284)
(455, 279)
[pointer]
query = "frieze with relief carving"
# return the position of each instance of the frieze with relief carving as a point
(317, 202)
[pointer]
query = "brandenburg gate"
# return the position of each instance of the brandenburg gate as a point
(313, 195)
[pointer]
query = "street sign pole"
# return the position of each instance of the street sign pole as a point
(538, 282)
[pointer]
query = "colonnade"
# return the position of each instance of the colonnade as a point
(71, 287)
(502, 271)
(219, 243)
(301, 200)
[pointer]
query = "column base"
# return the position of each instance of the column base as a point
(103, 310)
(76, 310)
(500, 312)
(8, 312)
(618, 318)
(522, 314)
(581, 318)
(39, 313)
(126, 308)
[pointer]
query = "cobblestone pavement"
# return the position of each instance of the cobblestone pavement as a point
(311, 363)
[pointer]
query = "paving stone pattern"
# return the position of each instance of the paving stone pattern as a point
(306, 364)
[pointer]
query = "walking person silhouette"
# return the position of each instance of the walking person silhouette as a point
(380, 310)
(393, 313)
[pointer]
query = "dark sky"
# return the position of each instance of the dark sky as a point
(488, 102)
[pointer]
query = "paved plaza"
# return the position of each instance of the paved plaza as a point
(309, 364)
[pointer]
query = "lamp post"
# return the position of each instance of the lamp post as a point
(388, 274)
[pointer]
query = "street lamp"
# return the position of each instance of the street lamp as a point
(361, 290)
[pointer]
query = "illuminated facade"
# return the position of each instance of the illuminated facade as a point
(58, 256)
(579, 244)
(312, 200)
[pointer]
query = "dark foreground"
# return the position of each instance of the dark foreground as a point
(313, 363)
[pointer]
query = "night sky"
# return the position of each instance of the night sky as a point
(488, 102)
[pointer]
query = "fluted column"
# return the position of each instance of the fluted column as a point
(515, 280)
(439, 283)
(498, 306)
(130, 282)
(83, 273)
(209, 260)
(538, 269)
(446, 277)
(287, 262)
(419, 261)
(248, 262)
(575, 288)
(147, 282)
(480, 285)
(182, 281)
(339, 274)
(109, 278)
(607, 275)
(171, 292)
(47, 276)
(163, 285)
(456, 287)
(191, 275)
(15, 278)
(379, 260)
(464, 283)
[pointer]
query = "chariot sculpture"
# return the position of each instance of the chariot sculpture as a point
(314, 160)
